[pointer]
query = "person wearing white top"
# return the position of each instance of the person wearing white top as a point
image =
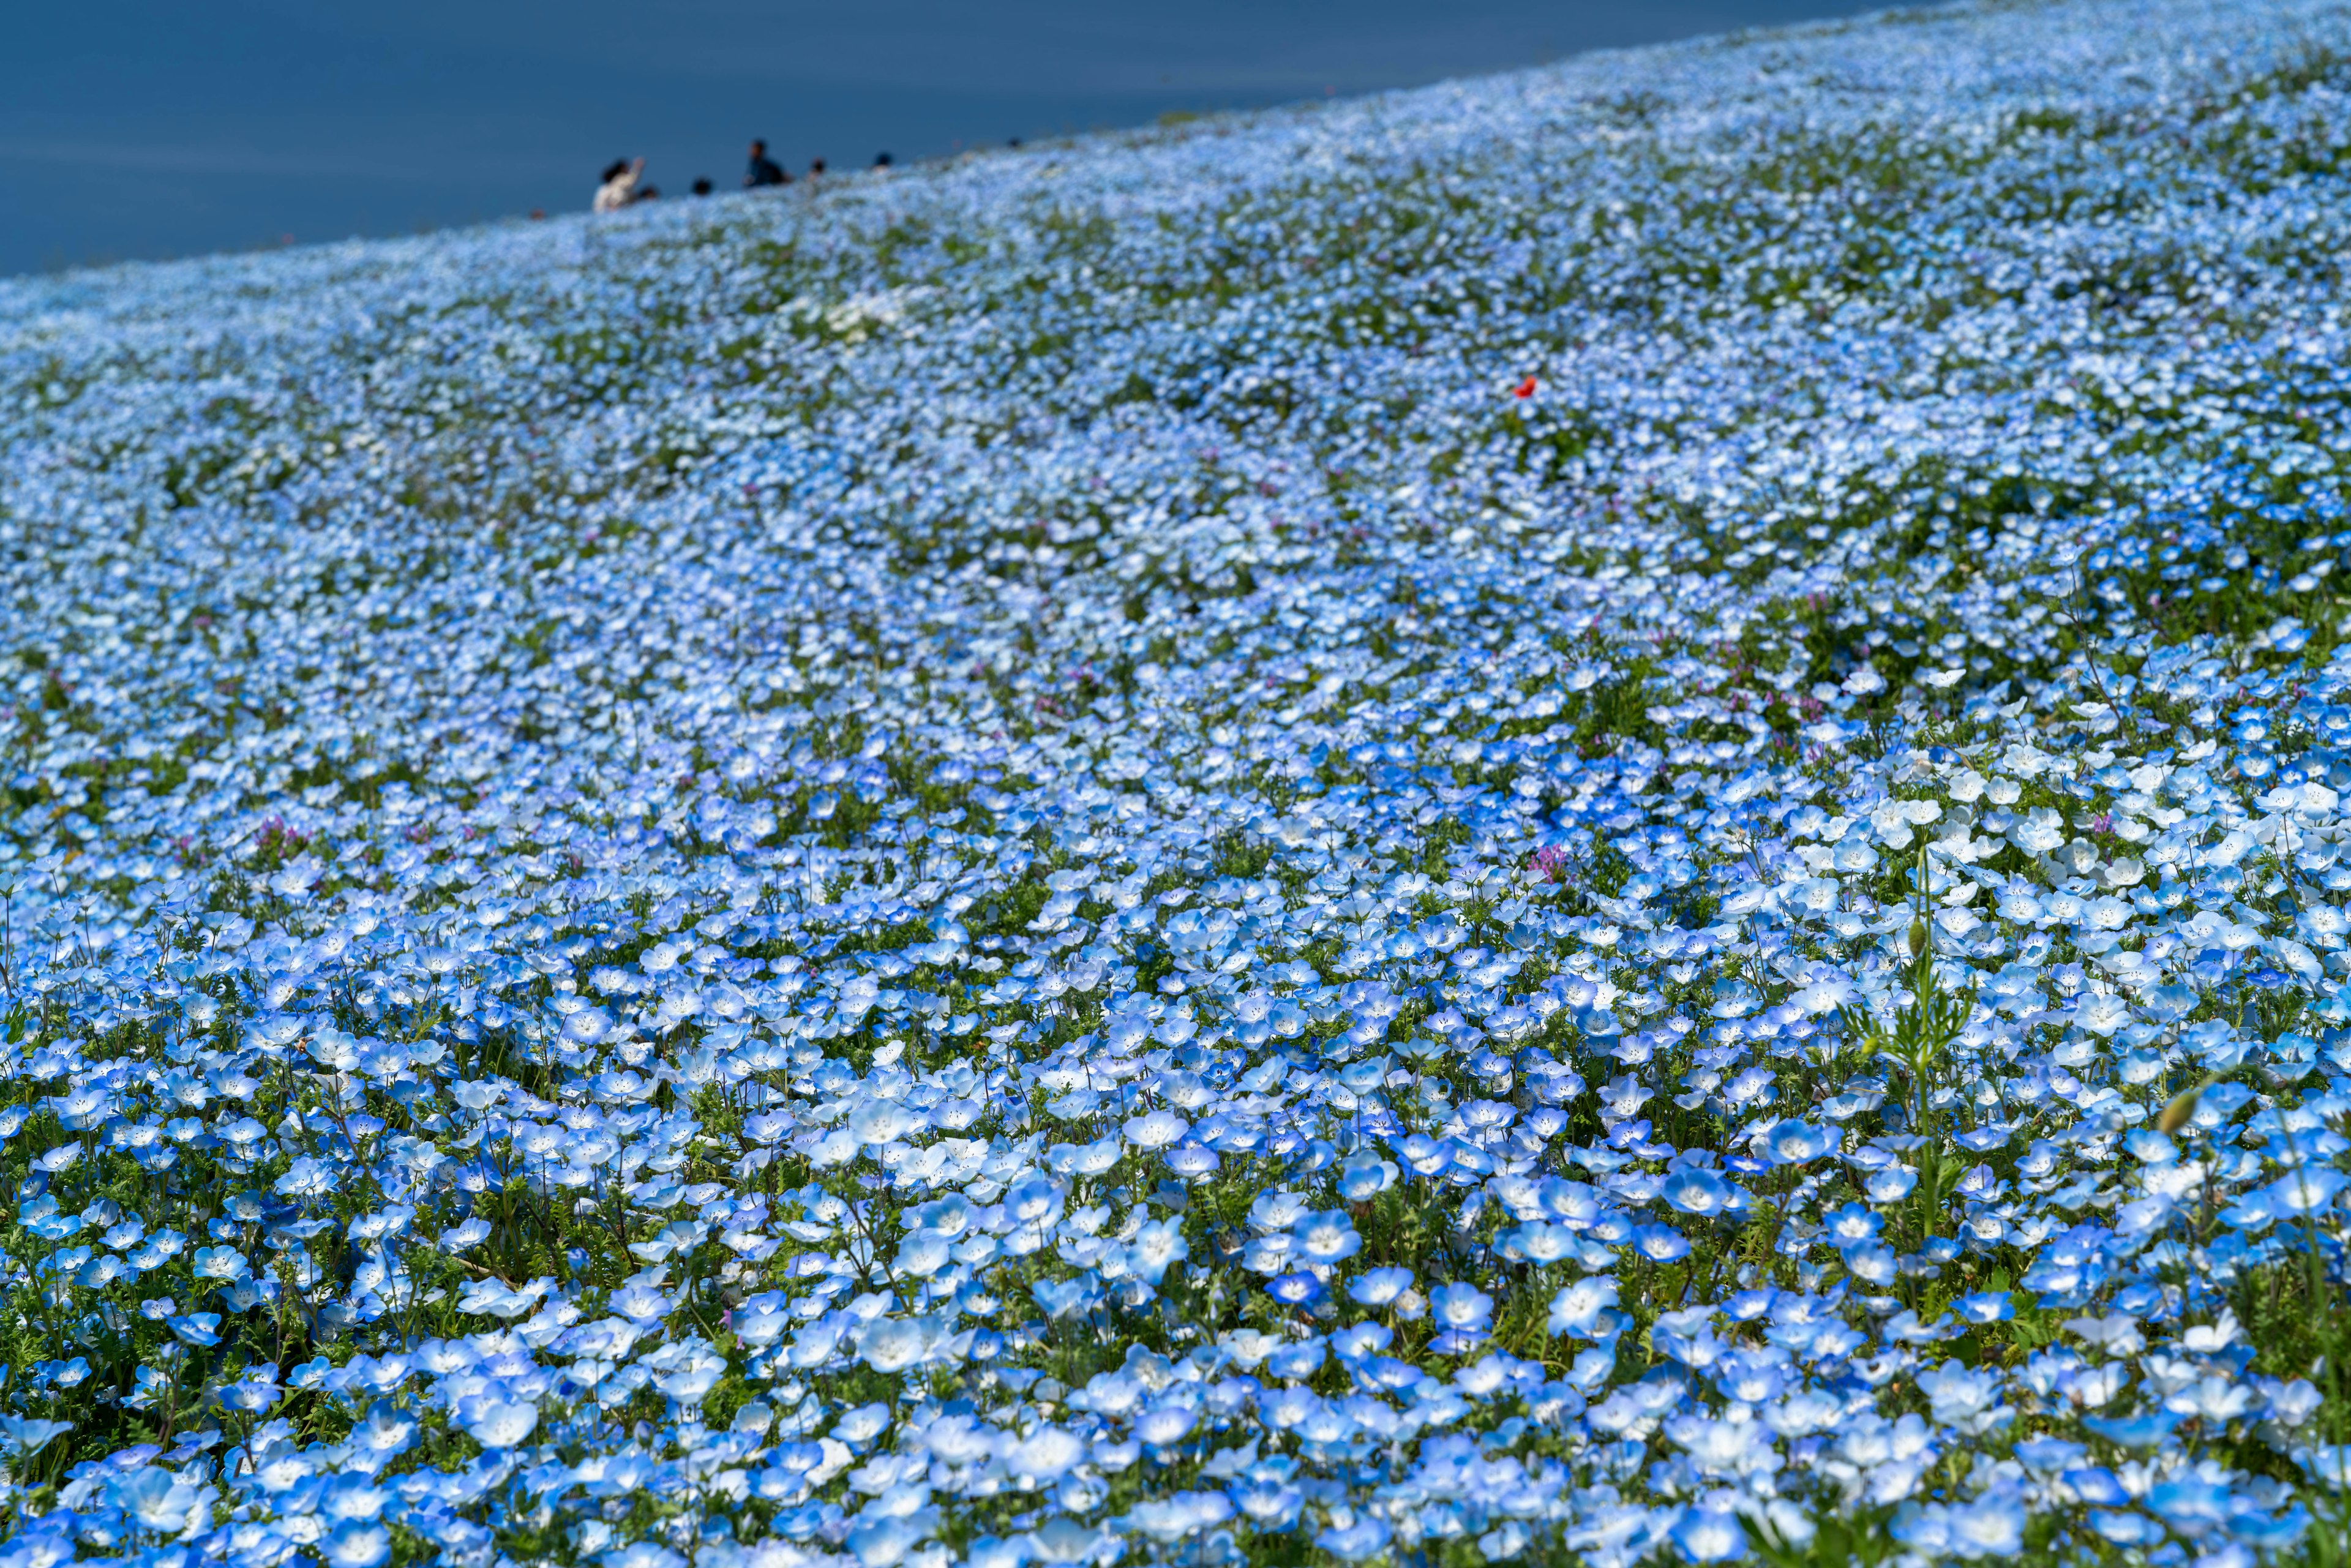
(620, 186)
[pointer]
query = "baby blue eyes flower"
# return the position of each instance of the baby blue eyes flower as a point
(1326, 1238)
(1709, 1535)
(1379, 1287)
(1155, 1130)
(469, 1234)
(1460, 1306)
(2269, 1532)
(1696, 1191)
(220, 1263)
(1871, 1265)
(358, 1545)
(250, 1395)
(921, 1254)
(1164, 1424)
(1190, 1162)
(1046, 1453)
(1354, 1542)
(897, 1345)
(1158, 1246)
(26, 1437)
(1891, 1185)
(2303, 1190)
(2142, 1431)
(2253, 1212)
(306, 1178)
(1660, 1243)
(2125, 1529)
(100, 1272)
(1365, 1177)
(1987, 1307)
(1425, 1156)
(1584, 1309)
(1268, 1503)
(200, 1329)
(1795, 1142)
(1300, 1360)
(1294, 1290)
(1059, 1298)
(1038, 1204)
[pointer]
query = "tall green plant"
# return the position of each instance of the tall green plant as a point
(1918, 1044)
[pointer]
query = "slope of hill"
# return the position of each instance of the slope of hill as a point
(1592, 815)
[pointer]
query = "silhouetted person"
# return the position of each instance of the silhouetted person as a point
(702, 185)
(763, 170)
(816, 168)
(620, 185)
(881, 160)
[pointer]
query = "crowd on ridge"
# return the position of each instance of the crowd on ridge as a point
(622, 182)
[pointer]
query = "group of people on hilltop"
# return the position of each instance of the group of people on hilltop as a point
(623, 185)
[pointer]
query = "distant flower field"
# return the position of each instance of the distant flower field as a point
(1590, 818)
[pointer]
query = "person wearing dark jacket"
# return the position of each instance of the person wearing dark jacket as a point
(764, 170)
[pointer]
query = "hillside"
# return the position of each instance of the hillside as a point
(1592, 816)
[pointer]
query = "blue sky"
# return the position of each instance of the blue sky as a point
(147, 128)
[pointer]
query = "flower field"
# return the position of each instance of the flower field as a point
(1594, 817)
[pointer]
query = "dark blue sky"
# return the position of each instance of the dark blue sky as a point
(155, 128)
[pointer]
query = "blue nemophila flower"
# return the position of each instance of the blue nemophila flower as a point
(1890, 1184)
(1695, 1190)
(200, 1329)
(1065, 1298)
(1190, 1162)
(1353, 1542)
(1460, 1307)
(1294, 1289)
(255, 1391)
(1365, 1177)
(1986, 1307)
(2302, 1191)
(1298, 1360)
(358, 1545)
(1159, 1245)
(1660, 1243)
(1378, 1288)
(2141, 1431)
(1709, 1535)
(28, 1436)
(1585, 1310)
(1328, 1237)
